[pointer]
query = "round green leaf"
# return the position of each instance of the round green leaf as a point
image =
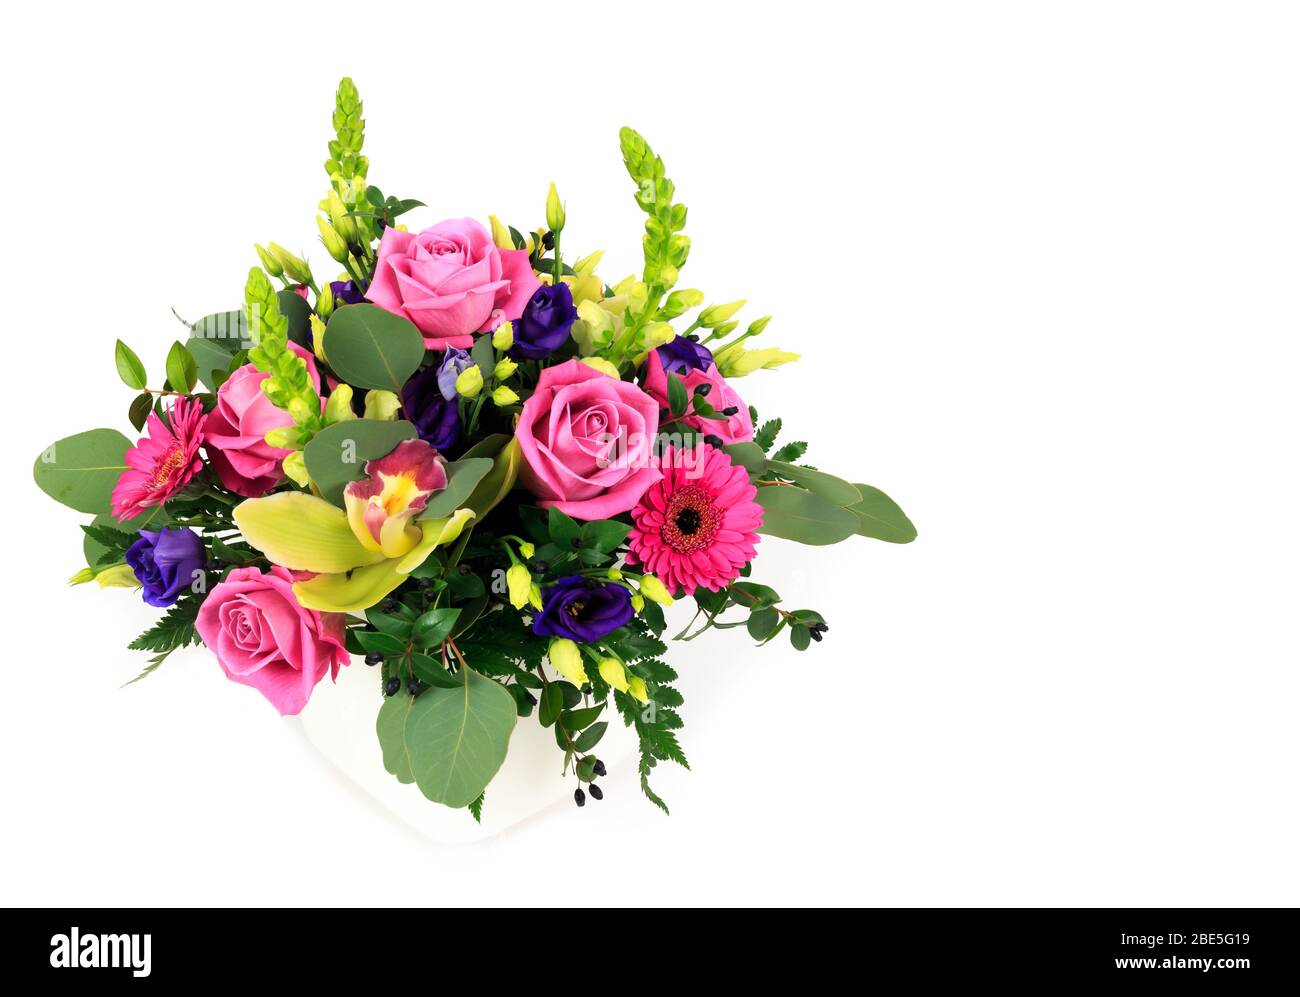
(798, 515)
(456, 739)
(391, 726)
(462, 476)
(81, 471)
(371, 348)
(338, 453)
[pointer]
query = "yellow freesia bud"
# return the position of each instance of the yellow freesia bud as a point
(82, 576)
(584, 287)
(602, 365)
(282, 438)
(588, 263)
(325, 302)
(567, 659)
(500, 234)
(504, 337)
(269, 263)
(295, 468)
(470, 382)
(318, 336)
(526, 550)
(335, 244)
(504, 396)
(293, 266)
(757, 326)
(505, 369)
(535, 596)
(339, 406)
(637, 690)
(382, 405)
(613, 574)
(638, 601)
(614, 674)
(653, 589)
(518, 580)
(682, 301)
(554, 210)
(118, 576)
(656, 334)
(736, 361)
(715, 315)
(343, 223)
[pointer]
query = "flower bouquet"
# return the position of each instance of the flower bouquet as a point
(469, 461)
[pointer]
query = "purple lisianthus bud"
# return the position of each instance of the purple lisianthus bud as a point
(453, 364)
(682, 355)
(435, 416)
(545, 323)
(582, 609)
(166, 562)
(346, 293)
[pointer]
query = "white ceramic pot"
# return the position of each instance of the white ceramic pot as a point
(339, 721)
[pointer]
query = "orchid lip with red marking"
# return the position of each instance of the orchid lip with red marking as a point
(381, 506)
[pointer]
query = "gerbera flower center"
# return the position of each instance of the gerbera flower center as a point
(691, 520)
(172, 460)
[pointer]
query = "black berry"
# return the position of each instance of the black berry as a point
(815, 635)
(596, 792)
(599, 768)
(393, 684)
(712, 440)
(730, 410)
(579, 797)
(424, 583)
(373, 658)
(703, 389)
(532, 700)
(213, 565)
(413, 686)
(389, 606)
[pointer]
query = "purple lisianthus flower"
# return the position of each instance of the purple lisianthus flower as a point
(346, 293)
(681, 356)
(166, 562)
(582, 609)
(454, 363)
(436, 416)
(545, 323)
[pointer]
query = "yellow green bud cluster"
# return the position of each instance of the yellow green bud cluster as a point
(288, 384)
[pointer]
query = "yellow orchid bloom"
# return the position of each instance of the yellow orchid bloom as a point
(361, 554)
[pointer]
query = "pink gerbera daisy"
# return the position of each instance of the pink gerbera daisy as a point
(695, 527)
(163, 462)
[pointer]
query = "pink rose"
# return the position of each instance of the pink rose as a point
(586, 440)
(246, 463)
(451, 280)
(735, 428)
(263, 638)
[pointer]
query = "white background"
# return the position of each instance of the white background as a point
(1041, 262)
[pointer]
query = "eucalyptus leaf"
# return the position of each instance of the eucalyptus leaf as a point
(880, 517)
(81, 471)
(372, 348)
(750, 456)
(795, 514)
(338, 453)
(456, 739)
(391, 727)
(462, 476)
(829, 487)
